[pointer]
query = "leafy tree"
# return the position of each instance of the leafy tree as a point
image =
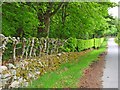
(19, 20)
(82, 20)
(44, 12)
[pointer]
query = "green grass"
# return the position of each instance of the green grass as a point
(68, 74)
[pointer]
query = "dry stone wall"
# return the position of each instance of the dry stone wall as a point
(34, 58)
(23, 72)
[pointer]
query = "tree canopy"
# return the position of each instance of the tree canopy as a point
(82, 20)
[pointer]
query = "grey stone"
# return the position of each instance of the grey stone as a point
(29, 75)
(13, 72)
(59, 54)
(20, 80)
(2, 68)
(38, 73)
(0, 76)
(0, 84)
(25, 84)
(11, 66)
(3, 82)
(14, 84)
(6, 75)
(15, 77)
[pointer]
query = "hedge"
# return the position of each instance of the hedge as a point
(70, 45)
(98, 42)
(74, 44)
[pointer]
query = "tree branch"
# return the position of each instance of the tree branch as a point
(55, 11)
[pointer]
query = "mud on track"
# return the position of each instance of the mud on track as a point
(92, 75)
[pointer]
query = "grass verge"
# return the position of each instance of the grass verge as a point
(68, 75)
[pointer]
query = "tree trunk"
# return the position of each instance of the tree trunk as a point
(20, 32)
(47, 25)
(64, 13)
(40, 28)
(44, 19)
(43, 30)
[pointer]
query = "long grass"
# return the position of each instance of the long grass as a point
(68, 75)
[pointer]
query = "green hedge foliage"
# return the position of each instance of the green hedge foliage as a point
(70, 45)
(74, 44)
(117, 39)
(98, 42)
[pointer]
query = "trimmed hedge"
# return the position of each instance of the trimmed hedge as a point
(98, 42)
(74, 44)
(80, 44)
(70, 45)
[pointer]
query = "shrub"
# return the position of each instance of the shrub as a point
(70, 45)
(85, 44)
(117, 39)
(98, 42)
(74, 44)
(80, 45)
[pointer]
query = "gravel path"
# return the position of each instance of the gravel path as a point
(110, 73)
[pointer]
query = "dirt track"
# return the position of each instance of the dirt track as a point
(92, 76)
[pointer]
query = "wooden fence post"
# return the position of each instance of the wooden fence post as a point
(14, 48)
(40, 47)
(2, 45)
(27, 49)
(23, 47)
(31, 49)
